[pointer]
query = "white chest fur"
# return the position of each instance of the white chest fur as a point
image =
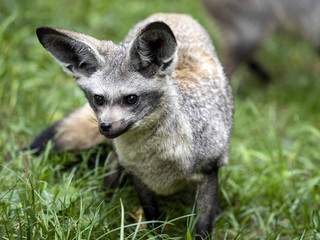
(158, 154)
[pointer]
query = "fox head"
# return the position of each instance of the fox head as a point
(123, 82)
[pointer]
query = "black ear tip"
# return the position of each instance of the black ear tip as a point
(162, 26)
(42, 31)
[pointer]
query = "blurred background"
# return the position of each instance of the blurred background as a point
(270, 190)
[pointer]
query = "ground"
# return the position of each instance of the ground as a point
(270, 189)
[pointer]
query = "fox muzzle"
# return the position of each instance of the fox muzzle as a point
(115, 129)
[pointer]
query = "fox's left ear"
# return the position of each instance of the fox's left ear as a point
(154, 50)
(77, 53)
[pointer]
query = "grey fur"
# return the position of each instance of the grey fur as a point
(246, 24)
(178, 131)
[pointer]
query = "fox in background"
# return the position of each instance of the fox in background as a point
(246, 24)
(162, 97)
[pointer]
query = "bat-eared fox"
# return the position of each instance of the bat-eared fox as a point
(246, 24)
(162, 97)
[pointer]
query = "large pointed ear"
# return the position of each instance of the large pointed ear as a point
(154, 49)
(76, 52)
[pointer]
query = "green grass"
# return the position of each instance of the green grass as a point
(270, 189)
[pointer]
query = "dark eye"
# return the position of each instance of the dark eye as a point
(98, 100)
(131, 99)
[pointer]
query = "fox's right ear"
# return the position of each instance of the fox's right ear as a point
(77, 53)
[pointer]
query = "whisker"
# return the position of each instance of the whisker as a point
(94, 119)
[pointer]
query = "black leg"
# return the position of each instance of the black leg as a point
(237, 53)
(112, 180)
(147, 199)
(259, 70)
(207, 204)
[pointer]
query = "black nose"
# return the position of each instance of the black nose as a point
(105, 126)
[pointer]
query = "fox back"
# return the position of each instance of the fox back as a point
(161, 95)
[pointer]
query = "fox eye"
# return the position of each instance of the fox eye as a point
(98, 99)
(131, 99)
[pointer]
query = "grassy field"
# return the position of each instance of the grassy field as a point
(270, 189)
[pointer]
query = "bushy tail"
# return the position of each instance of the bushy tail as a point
(77, 131)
